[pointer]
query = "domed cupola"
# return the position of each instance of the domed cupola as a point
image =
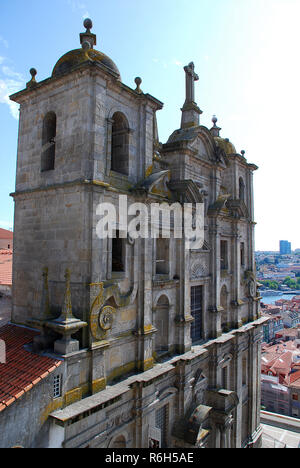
(87, 54)
(223, 143)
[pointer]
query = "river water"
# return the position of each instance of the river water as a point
(273, 299)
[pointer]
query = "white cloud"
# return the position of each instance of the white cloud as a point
(12, 74)
(178, 63)
(10, 82)
(77, 5)
(4, 42)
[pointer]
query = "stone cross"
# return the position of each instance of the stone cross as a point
(190, 77)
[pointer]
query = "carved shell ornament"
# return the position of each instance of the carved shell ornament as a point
(106, 318)
(251, 288)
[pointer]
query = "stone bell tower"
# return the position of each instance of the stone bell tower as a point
(84, 136)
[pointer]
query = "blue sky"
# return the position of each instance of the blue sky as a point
(246, 53)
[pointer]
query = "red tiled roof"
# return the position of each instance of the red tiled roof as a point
(294, 377)
(23, 369)
(6, 267)
(5, 234)
(283, 364)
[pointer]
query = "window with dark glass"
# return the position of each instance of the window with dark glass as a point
(120, 144)
(48, 142)
(224, 255)
(196, 312)
(118, 254)
(224, 377)
(242, 253)
(162, 424)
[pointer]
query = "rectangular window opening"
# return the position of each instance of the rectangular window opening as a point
(118, 264)
(162, 256)
(196, 312)
(224, 255)
(57, 387)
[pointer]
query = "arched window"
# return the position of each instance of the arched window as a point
(120, 144)
(48, 142)
(224, 305)
(161, 323)
(241, 189)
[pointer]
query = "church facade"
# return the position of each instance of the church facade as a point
(159, 345)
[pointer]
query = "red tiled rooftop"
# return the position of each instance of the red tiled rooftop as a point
(6, 267)
(5, 234)
(23, 369)
(294, 377)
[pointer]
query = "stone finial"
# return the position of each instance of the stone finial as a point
(67, 305)
(88, 24)
(215, 130)
(88, 36)
(243, 152)
(66, 325)
(191, 77)
(33, 74)
(190, 110)
(138, 82)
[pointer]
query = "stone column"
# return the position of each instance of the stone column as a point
(222, 425)
(184, 317)
(108, 145)
(254, 376)
(145, 326)
(236, 300)
(238, 386)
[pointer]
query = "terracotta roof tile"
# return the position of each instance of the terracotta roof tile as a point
(294, 377)
(6, 267)
(23, 369)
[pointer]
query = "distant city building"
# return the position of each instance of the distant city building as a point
(6, 239)
(285, 247)
(6, 271)
(280, 380)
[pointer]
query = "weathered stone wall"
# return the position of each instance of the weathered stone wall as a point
(25, 423)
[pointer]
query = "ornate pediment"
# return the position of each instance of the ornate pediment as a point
(237, 208)
(185, 191)
(155, 184)
(219, 205)
(226, 206)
